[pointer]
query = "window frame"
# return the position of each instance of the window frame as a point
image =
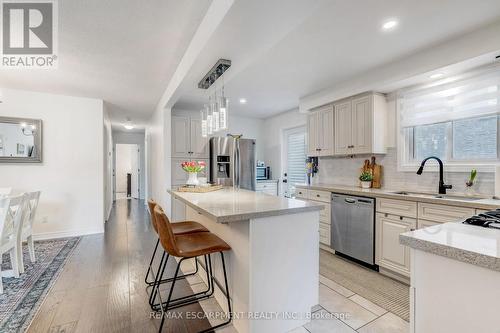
(405, 150)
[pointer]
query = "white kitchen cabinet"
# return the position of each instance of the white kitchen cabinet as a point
(343, 128)
(443, 213)
(390, 254)
(360, 123)
(320, 132)
(425, 223)
(186, 138)
(267, 187)
(180, 136)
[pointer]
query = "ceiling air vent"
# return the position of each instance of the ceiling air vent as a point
(214, 73)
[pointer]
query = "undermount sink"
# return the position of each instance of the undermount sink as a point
(438, 196)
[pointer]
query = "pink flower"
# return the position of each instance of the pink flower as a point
(202, 163)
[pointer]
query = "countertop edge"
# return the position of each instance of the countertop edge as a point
(468, 257)
(360, 192)
(247, 216)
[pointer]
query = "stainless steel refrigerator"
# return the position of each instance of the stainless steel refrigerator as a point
(232, 162)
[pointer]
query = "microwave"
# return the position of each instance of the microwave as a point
(263, 173)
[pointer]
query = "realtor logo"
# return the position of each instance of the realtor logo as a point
(29, 33)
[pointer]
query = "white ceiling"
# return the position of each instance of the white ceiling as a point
(282, 53)
(123, 52)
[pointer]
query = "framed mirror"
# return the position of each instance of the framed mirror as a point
(20, 140)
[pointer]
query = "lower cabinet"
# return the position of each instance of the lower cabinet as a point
(323, 198)
(390, 254)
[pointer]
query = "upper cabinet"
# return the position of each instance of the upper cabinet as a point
(354, 125)
(360, 123)
(320, 130)
(186, 138)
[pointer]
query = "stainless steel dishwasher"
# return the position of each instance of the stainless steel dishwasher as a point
(353, 227)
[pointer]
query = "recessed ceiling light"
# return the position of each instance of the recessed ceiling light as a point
(129, 127)
(436, 75)
(389, 25)
(129, 124)
(243, 101)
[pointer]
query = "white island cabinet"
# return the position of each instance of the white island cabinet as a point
(273, 267)
(455, 272)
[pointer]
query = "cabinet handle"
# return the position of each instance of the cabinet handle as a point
(318, 195)
(412, 229)
(386, 215)
(401, 218)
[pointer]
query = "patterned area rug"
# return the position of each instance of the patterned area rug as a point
(23, 296)
(387, 293)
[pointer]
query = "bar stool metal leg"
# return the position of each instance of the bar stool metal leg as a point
(150, 269)
(168, 306)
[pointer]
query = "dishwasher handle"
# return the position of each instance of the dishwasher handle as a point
(349, 200)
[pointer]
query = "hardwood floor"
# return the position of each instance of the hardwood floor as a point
(101, 288)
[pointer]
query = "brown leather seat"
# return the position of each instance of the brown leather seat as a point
(179, 228)
(187, 245)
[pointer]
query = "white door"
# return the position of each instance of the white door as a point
(362, 125)
(294, 161)
(343, 128)
(135, 166)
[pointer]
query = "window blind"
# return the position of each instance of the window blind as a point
(474, 96)
(296, 158)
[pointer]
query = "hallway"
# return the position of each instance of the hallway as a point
(102, 289)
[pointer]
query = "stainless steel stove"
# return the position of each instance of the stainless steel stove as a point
(486, 220)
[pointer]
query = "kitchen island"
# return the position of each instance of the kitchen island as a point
(273, 266)
(455, 271)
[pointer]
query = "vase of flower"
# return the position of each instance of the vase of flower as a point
(192, 168)
(469, 189)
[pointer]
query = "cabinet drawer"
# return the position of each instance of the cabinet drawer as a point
(264, 186)
(322, 196)
(324, 234)
(397, 207)
(324, 214)
(301, 193)
(443, 213)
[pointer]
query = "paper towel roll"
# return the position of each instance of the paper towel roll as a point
(497, 181)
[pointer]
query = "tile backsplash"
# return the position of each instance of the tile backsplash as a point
(345, 171)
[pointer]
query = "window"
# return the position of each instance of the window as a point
(456, 121)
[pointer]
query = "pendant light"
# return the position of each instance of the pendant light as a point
(204, 126)
(210, 122)
(215, 113)
(223, 110)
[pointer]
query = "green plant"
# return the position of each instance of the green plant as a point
(473, 174)
(366, 176)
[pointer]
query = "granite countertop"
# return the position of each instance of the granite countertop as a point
(480, 203)
(467, 243)
(229, 205)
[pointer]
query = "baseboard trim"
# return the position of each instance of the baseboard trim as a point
(65, 234)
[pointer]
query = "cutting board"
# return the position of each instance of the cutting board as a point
(377, 173)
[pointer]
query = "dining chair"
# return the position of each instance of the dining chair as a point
(12, 212)
(27, 229)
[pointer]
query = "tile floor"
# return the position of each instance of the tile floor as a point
(339, 311)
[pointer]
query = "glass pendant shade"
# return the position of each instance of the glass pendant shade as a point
(204, 129)
(210, 123)
(215, 115)
(223, 109)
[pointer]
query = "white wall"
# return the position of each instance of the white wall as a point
(71, 177)
(121, 137)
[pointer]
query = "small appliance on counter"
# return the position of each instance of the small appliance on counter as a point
(262, 172)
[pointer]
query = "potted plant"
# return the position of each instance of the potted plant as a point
(469, 183)
(366, 178)
(192, 168)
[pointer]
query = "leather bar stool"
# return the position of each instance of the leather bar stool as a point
(185, 247)
(179, 228)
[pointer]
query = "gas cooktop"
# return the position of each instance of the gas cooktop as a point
(486, 220)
